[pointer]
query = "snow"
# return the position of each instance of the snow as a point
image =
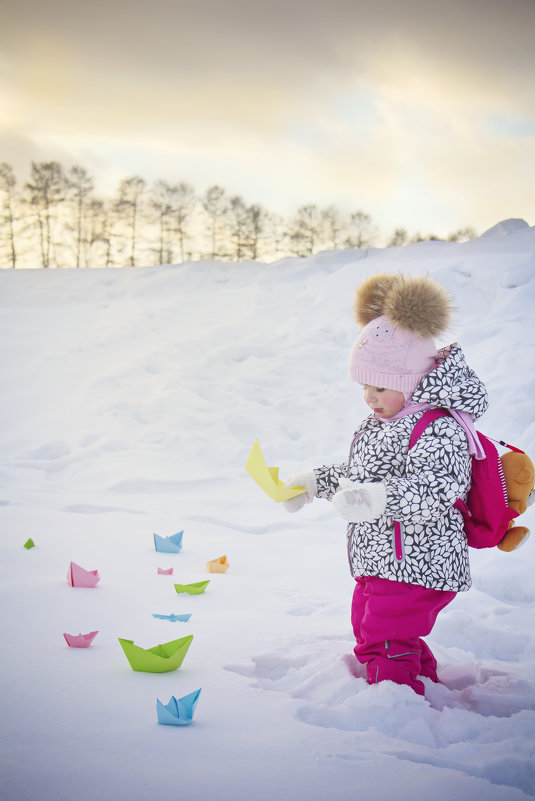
(130, 400)
(506, 227)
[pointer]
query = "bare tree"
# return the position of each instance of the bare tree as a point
(215, 205)
(399, 237)
(238, 214)
(256, 221)
(7, 186)
(361, 230)
(418, 237)
(100, 219)
(162, 201)
(462, 235)
(185, 206)
(128, 208)
(107, 229)
(304, 230)
(333, 226)
(46, 190)
(80, 186)
(275, 234)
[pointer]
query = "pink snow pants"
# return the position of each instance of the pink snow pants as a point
(388, 618)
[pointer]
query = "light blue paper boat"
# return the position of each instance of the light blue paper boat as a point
(171, 544)
(179, 711)
(173, 618)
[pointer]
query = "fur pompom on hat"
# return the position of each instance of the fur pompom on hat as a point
(400, 316)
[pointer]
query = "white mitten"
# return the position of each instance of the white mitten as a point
(308, 482)
(358, 503)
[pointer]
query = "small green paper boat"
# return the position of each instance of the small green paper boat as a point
(192, 589)
(159, 659)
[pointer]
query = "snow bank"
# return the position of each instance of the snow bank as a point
(130, 401)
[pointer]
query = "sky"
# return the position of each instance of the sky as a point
(421, 114)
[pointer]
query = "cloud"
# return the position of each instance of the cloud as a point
(388, 106)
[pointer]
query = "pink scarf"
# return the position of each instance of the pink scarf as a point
(463, 418)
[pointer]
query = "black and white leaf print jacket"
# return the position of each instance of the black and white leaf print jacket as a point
(421, 484)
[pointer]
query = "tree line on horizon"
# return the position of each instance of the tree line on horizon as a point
(55, 219)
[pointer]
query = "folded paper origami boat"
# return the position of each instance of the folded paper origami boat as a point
(173, 618)
(193, 589)
(159, 659)
(80, 640)
(29, 544)
(78, 577)
(179, 711)
(171, 544)
(219, 565)
(163, 572)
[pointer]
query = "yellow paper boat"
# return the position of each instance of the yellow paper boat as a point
(267, 478)
(219, 565)
(159, 659)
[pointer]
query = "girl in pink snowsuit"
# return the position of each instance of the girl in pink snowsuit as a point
(406, 543)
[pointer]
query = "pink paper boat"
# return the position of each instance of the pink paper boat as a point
(80, 640)
(78, 577)
(162, 572)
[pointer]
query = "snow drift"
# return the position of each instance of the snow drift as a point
(130, 401)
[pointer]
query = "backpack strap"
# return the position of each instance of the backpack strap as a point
(506, 445)
(427, 417)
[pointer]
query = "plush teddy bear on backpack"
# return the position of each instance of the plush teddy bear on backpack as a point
(519, 476)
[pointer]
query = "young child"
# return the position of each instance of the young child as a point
(406, 543)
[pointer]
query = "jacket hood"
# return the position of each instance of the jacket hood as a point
(453, 385)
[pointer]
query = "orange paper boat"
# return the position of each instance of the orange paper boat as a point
(219, 565)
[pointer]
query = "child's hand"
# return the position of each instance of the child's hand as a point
(308, 482)
(359, 503)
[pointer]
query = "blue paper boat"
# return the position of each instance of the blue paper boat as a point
(173, 618)
(171, 544)
(179, 711)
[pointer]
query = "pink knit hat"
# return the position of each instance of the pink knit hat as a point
(395, 348)
(385, 355)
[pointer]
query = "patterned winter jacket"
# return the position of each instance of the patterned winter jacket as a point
(421, 484)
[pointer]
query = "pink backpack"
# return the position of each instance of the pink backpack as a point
(486, 513)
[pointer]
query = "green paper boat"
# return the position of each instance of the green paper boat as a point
(159, 659)
(192, 589)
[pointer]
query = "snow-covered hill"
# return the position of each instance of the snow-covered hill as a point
(130, 400)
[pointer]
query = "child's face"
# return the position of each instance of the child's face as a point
(384, 402)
